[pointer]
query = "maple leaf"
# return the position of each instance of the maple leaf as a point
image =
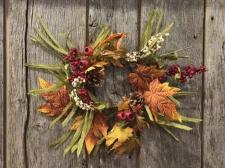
(142, 75)
(98, 130)
(56, 100)
(118, 136)
(157, 98)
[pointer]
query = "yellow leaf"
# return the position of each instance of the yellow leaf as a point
(77, 122)
(123, 105)
(44, 84)
(156, 97)
(98, 130)
(100, 64)
(118, 135)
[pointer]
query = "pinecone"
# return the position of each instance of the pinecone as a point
(94, 78)
(135, 99)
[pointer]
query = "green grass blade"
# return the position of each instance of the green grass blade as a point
(86, 129)
(48, 33)
(61, 139)
(46, 66)
(68, 106)
(74, 140)
(189, 119)
(159, 23)
(69, 117)
(175, 125)
(169, 132)
(149, 113)
(174, 100)
(36, 92)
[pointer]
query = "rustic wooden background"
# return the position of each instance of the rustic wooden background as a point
(24, 133)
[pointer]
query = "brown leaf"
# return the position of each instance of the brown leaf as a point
(56, 101)
(156, 97)
(98, 130)
(142, 75)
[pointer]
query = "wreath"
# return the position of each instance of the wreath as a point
(87, 121)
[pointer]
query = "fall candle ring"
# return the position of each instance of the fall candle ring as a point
(93, 123)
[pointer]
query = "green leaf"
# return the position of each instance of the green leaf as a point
(65, 110)
(69, 117)
(148, 28)
(52, 88)
(105, 31)
(46, 66)
(175, 125)
(102, 106)
(74, 140)
(49, 43)
(61, 139)
(149, 113)
(189, 119)
(87, 126)
(158, 26)
(169, 132)
(174, 100)
(48, 33)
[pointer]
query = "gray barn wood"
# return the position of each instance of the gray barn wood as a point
(198, 23)
(1, 86)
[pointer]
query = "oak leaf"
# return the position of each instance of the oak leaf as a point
(157, 98)
(142, 75)
(98, 130)
(118, 136)
(56, 100)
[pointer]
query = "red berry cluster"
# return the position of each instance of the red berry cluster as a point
(125, 115)
(78, 65)
(83, 94)
(187, 72)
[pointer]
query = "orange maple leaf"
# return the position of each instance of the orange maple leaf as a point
(56, 101)
(157, 98)
(142, 75)
(98, 130)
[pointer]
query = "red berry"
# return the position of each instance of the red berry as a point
(83, 94)
(121, 116)
(88, 51)
(129, 115)
(71, 55)
(173, 69)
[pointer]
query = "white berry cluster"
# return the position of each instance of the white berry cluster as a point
(77, 81)
(153, 45)
(79, 103)
(73, 94)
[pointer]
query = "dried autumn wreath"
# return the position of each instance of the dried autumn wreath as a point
(89, 121)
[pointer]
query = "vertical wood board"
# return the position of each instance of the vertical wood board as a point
(121, 16)
(159, 149)
(16, 98)
(62, 16)
(214, 106)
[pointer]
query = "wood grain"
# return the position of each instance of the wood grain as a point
(61, 16)
(1, 87)
(122, 16)
(16, 86)
(158, 149)
(214, 106)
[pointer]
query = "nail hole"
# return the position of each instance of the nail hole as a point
(195, 36)
(212, 18)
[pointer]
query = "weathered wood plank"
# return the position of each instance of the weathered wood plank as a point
(122, 16)
(159, 149)
(1, 86)
(16, 86)
(62, 16)
(214, 106)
